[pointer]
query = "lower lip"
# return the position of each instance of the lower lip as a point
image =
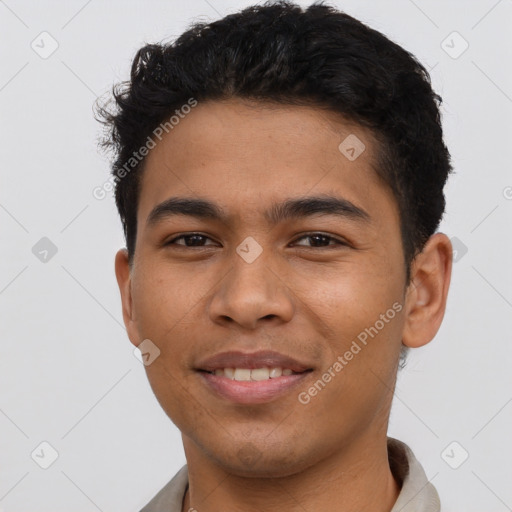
(252, 392)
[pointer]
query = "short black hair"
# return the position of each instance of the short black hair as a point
(282, 53)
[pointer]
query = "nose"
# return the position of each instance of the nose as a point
(252, 293)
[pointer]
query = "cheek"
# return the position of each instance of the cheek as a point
(169, 307)
(362, 318)
(351, 300)
(159, 301)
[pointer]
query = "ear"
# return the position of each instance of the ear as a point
(427, 292)
(123, 275)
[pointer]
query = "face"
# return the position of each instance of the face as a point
(295, 248)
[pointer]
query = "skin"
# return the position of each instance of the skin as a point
(307, 298)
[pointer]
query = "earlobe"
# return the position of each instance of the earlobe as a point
(427, 294)
(123, 275)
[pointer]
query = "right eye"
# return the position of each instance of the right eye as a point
(190, 240)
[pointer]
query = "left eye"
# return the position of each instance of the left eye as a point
(320, 240)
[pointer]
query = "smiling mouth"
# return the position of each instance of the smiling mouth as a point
(252, 386)
(253, 374)
(252, 377)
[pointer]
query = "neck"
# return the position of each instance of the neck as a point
(357, 477)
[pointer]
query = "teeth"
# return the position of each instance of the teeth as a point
(276, 372)
(260, 374)
(242, 374)
(246, 374)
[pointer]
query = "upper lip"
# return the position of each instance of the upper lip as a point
(251, 360)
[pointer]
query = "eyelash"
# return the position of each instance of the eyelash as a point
(337, 241)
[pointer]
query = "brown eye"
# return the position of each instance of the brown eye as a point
(191, 240)
(319, 240)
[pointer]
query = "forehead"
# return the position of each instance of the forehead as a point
(241, 152)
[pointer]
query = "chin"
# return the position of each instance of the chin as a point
(249, 461)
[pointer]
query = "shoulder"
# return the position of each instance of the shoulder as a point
(417, 492)
(170, 497)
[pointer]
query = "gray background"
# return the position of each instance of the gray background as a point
(68, 375)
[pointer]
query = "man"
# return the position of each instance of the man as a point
(279, 175)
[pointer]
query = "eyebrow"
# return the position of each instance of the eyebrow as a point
(278, 212)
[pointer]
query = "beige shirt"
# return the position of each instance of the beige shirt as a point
(417, 493)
